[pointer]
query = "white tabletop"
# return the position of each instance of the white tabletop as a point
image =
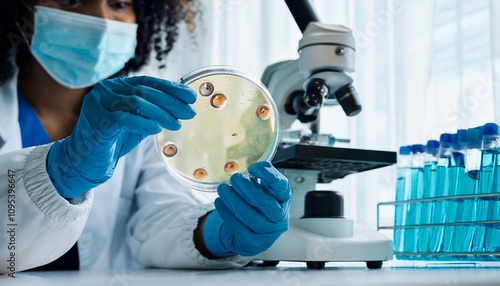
(289, 274)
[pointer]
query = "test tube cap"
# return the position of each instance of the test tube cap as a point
(462, 135)
(418, 148)
(454, 141)
(474, 136)
(446, 138)
(432, 147)
(404, 150)
(490, 129)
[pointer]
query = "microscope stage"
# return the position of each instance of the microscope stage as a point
(333, 162)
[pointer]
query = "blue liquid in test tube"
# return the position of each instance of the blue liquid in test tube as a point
(413, 210)
(442, 190)
(457, 233)
(470, 186)
(456, 169)
(484, 187)
(488, 185)
(403, 188)
(429, 191)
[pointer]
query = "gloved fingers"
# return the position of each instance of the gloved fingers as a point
(251, 246)
(107, 124)
(215, 243)
(139, 106)
(272, 180)
(255, 195)
(239, 237)
(137, 124)
(172, 105)
(249, 216)
(152, 116)
(236, 226)
(175, 89)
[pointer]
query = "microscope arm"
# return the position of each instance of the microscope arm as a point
(302, 12)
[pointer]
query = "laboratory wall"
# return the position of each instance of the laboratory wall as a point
(423, 67)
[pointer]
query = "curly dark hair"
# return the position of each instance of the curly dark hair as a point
(158, 29)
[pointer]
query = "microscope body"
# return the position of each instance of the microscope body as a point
(320, 76)
(300, 87)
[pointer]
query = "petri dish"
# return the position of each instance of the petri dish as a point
(236, 125)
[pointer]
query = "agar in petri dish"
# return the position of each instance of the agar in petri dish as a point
(236, 125)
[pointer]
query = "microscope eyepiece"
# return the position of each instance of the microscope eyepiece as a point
(347, 97)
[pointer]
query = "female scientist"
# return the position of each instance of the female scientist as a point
(76, 158)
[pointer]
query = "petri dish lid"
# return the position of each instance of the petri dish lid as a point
(236, 124)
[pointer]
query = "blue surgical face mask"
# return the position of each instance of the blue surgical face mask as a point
(79, 50)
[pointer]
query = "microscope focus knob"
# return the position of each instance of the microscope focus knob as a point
(323, 204)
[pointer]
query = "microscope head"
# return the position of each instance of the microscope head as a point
(320, 76)
(326, 59)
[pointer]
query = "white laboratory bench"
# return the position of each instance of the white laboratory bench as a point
(284, 274)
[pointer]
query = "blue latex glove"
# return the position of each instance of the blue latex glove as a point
(249, 216)
(115, 117)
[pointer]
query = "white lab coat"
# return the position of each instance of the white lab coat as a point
(140, 217)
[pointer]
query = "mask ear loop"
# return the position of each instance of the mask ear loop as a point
(27, 6)
(23, 35)
(21, 31)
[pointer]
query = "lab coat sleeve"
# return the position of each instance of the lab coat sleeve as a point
(37, 225)
(160, 233)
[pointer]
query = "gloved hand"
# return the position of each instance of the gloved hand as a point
(249, 216)
(115, 117)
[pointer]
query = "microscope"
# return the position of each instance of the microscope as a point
(318, 231)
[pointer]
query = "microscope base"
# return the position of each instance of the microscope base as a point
(301, 245)
(319, 240)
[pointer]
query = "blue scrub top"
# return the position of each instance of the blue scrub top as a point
(32, 131)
